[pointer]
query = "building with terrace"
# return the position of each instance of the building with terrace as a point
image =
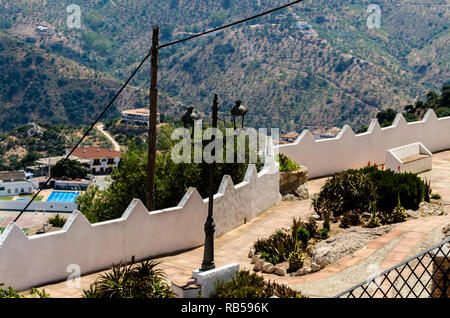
(42, 167)
(101, 160)
(137, 117)
(290, 137)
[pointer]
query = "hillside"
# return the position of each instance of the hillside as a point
(37, 85)
(338, 71)
(25, 144)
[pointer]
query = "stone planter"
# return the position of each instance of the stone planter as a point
(294, 184)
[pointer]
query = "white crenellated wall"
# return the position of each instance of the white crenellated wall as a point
(347, 150)
(27, 261)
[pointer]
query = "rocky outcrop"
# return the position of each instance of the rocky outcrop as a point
(294, 184)
(435, 207)
(345, 243)
(446, 231)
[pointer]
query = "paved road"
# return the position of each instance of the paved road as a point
(100, 127)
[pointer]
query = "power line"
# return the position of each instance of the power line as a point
(230, 25)
(86, 133)
(134, 73)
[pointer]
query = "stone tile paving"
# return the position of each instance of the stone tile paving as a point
(231, 247)
(383, 252)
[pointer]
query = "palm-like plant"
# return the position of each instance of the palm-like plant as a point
(140, 281)
(374, 220)
(296, 258)
(399, 213)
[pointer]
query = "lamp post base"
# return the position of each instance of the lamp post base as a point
(208, 255)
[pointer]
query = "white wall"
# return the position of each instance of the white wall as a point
(347, 150)
(37, 206)
(31, 261)
(15, 188)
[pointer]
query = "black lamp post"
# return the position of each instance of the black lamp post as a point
(238, 110)
(210, 227)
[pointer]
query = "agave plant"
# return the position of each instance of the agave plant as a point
(374, 220)
(399, 213)
(140, 281)
(296, 258)
(277, 247)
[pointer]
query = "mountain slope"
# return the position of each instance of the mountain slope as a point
(36, 85)
(339, 71)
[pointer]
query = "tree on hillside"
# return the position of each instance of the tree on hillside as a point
(439, 102)
(445, 98)
(172, 180)
(386, 117)
(68, 169)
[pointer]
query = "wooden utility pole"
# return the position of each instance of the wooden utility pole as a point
(150, 194)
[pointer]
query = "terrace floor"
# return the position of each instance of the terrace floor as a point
(405, 240)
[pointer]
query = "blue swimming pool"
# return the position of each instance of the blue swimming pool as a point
(59, 196)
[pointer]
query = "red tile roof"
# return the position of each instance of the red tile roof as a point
(95, 153)
(292, 134)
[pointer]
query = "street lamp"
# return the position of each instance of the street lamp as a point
(210, 227)
(238, 110)
(188, 119)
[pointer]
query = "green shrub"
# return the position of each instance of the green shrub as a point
(12, 293)
(69, 169)
(140, 281)
(172, 180)
(428, 191)
(436, 196)
(389, 185)
(308, 228)
(246, 285)
(345, 191)
(355, 190)
(281, 244)
(57, 220)
(271, 258)
(286, 164)
(324, 233)
(311, 226)
(302, 235)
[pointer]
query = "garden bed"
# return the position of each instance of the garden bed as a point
(354, 208)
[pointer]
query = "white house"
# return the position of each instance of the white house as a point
(101, 160)
(139, 117)
(290, 137)
(41, 28)
(15, 183)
